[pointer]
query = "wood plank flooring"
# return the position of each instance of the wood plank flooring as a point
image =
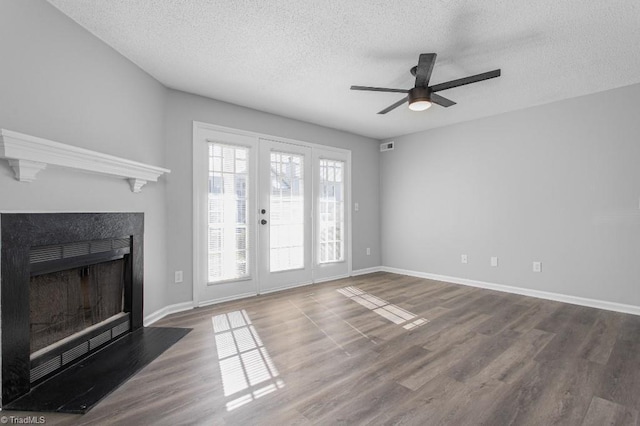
(402, 351)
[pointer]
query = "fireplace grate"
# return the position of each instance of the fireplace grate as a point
(43, 369)
(99, 340)
(78, 351)
(66, 251)
(74, 353)
(119, 329)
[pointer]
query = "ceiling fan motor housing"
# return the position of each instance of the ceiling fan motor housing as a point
(418, 94)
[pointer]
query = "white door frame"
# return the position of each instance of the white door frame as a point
(199, 216)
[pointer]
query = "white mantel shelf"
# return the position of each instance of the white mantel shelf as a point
(28, 155)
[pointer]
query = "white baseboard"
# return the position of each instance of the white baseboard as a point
(167, 310)
(180, 307)
(326, 279)
(273, 290)
(225, 299)
(574, 300)
(367, 271)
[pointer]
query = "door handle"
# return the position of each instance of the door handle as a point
(263, 221)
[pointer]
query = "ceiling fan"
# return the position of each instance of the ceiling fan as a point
(422, 95)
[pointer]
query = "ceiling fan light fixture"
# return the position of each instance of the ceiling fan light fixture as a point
(419, 99)
(419, 105)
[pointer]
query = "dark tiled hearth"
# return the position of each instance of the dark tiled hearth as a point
(84, 384)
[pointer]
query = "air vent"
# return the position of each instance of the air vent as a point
(387, 146)
(66, 251)
(120, 243)
(75, 250)
(74, 353)
(119, 329)
(45, 254)
(45, 368)
(60, 358)
(100, 246)
(99, 340)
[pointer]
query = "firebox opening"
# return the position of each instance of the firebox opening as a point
(66, 302)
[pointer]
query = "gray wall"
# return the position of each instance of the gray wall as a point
(183, 109)
(558, 183)
(59, 82)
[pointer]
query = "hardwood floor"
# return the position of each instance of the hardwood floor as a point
(386, 349)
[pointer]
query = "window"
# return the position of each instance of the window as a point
(227, 216)
(331, 214)
(286, 249)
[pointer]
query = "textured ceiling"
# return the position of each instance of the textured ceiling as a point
(298, 58)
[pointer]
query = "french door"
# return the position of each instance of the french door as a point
(268, 214)
(285, 215)
(225, 213)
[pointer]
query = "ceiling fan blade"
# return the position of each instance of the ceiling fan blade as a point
(424, 69)
(379, 89)
(467, 80)
(440, 100)
(394, 106)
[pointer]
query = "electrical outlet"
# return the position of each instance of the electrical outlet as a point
(537, 266)
(356, 207)
(494, 261)
(464, 258)
(368, 251)
(178, 277)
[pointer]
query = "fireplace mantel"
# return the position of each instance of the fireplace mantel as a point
(28, 155)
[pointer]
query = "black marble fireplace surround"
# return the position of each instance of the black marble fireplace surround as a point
(19, 233)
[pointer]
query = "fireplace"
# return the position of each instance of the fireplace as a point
(71, 284)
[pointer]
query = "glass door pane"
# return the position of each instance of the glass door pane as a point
(228, 255)
(331, 211)
(331, 198)
(286, 247)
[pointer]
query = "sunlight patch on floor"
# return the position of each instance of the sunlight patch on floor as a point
(247, 370)
(393, 313)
